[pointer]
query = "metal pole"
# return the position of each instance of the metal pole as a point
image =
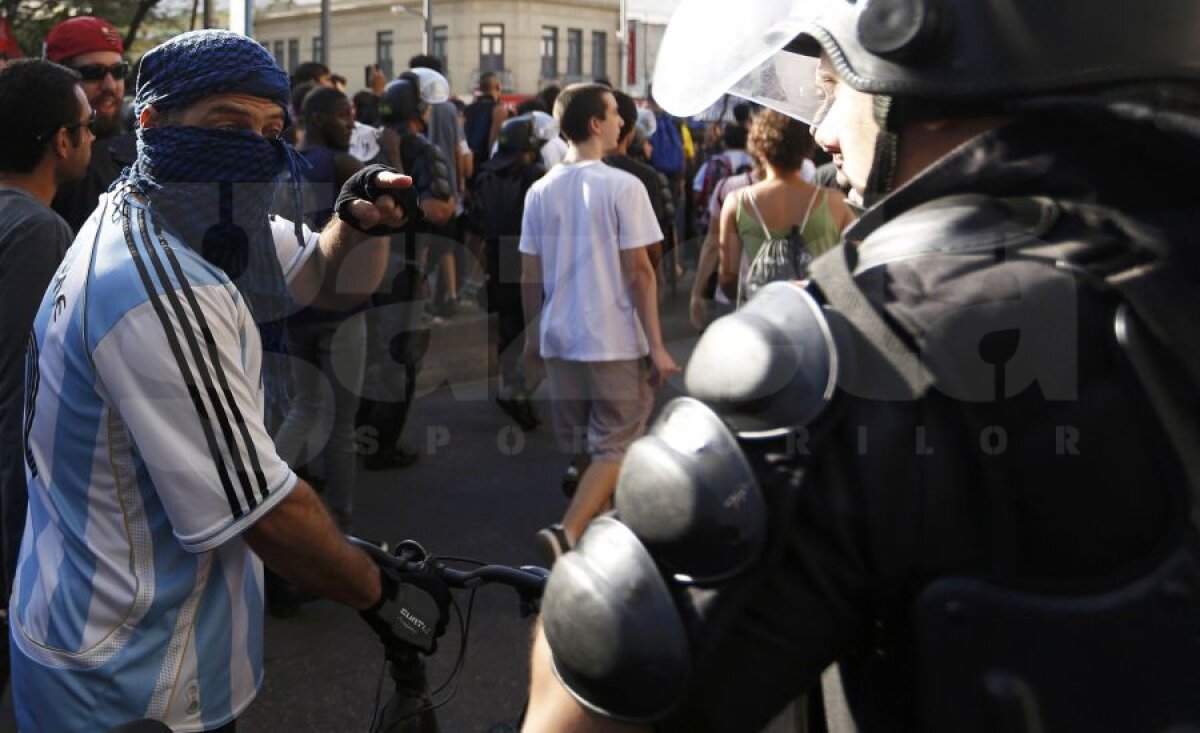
(241, 17)
(427, 41)
(622, 49)
(325, 12)
(208, 13)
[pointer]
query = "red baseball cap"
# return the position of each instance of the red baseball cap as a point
(81, 35)
(8, 45)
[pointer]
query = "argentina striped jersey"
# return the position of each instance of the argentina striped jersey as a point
(147, 457)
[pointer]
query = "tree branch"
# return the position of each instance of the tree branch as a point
(143, 9)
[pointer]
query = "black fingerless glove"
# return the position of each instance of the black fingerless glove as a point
(362, 185)
(412, 611)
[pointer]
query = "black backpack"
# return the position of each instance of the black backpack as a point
(499, 198)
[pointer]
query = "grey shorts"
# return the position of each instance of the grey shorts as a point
(599, 407)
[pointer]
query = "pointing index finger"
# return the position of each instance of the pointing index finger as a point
(388, 179)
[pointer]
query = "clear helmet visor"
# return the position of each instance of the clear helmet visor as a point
(545, 127)
(708, 51)
(647, 123)
(434, 87)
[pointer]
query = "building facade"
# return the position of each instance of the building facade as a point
(529, 43)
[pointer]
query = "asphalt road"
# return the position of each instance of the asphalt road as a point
(481, 489)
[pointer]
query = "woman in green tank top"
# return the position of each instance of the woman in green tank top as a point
(783, 199)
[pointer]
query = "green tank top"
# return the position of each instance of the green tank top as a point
(820, 231)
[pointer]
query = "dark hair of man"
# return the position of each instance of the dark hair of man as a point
(320, 101)
(577, 106)
(309, 71)
(533, 104)
(627, 108)
(488, 79)
(366, 108)
(780, 140)
(299, 92)
(734, 137)
(549, 95)
(741, 112)
(425, 61)
(38, 98)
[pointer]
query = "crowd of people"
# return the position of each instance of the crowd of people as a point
(213, 286)
(239, 178)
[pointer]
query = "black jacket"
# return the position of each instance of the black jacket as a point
(1055, 476)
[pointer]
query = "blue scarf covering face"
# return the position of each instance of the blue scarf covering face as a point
(214, 189)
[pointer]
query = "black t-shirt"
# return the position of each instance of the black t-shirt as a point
(649, 178)
(33, 240)
(76, 201)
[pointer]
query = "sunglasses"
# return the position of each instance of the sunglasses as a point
(97, 72)
(72, 126)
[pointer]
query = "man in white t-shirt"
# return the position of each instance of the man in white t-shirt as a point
(588, 286)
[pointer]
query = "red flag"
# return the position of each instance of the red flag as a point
(8, 44)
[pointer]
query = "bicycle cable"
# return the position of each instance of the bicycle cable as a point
(455, 676)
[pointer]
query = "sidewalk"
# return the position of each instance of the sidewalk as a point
(460, 348)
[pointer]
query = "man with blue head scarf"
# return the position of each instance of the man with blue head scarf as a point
(151, 474)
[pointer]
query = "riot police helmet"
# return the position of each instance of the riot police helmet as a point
(410, 94)
(960, 51)
(527, 133)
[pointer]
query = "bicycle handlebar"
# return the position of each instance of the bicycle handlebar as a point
(527, 580)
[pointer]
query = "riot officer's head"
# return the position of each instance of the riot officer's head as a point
(522, 138)
(527, 133)
(893, 80)
(407, 99)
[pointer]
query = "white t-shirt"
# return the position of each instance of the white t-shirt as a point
(553, 152)
(364, 142)
(577, 219)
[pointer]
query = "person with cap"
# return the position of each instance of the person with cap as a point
(94, 49)
(10, 50)
(960, 462)
(45, 140)
(445, 131)
(498, 204)
(398, 338)
(154, 488)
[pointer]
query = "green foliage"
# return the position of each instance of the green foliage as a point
(143, 23)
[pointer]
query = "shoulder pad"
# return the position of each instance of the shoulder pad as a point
(958, 225)
(424, 162)
(770, 367)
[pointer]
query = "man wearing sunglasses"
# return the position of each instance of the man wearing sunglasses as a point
(94, 49)
(44, 142)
